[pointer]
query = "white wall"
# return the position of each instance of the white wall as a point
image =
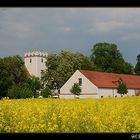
(36, 65)
(66, 96)
(40, 65)
(69, 96)
(32, 67)
(106, 92)
(88, 88)
(131, 92)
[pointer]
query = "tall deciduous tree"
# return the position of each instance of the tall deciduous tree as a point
(61, 66)
(108, 58)
(12, 71)
(137, 66)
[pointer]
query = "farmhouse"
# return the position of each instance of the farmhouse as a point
(100, 84)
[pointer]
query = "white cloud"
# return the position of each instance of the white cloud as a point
(65, 29)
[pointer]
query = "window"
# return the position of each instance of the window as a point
(102, 96)
(80, 81)
(42, 60)
(30, 60)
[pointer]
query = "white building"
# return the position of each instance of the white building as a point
(35, 62)
(99, 84)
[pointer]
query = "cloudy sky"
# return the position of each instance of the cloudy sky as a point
(74, 29)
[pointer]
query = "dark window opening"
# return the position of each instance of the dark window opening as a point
(30, 60)
(80, 81)
(102, 96)
(42, 60)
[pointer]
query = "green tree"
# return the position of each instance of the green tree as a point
(35, 84)
(46, 92)
(122, 88)
(6, 79)
(19, 91)
(76, 89)
(16, 67)
(108, 58)
(137, 66)
(128, 68)
(12, 71)
(87, 64)
(61, 66)
(30, 87)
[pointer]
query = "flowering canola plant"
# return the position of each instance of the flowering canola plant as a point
(70, 115)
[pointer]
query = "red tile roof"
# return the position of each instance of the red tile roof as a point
(107, 80)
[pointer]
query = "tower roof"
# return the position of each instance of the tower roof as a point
(36, 53)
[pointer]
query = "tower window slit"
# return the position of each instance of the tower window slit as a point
(30, 60)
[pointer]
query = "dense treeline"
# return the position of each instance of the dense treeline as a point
(104, 57)
(15, 82)
(12, 71)
(61, 66)
(108, 58)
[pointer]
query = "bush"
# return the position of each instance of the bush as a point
(76, 89)
(34, 83)
(46, 92)
(122, 88)
(26, 93)
(19, 91)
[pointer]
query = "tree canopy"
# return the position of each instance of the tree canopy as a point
(137, 66)
(12, 71)
(108, 58)
(61, 66)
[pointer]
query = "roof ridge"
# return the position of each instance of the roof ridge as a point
(111, 73)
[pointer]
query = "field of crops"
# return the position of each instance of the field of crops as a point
(70, 115)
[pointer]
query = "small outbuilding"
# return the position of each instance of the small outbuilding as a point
(100, 84)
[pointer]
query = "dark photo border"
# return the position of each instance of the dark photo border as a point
(69, 3)
(71, 136)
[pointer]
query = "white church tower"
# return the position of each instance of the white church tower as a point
(35, 62)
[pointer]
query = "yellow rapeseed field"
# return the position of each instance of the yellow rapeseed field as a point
(70, 115)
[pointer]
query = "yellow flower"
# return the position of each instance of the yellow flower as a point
(70, 115)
